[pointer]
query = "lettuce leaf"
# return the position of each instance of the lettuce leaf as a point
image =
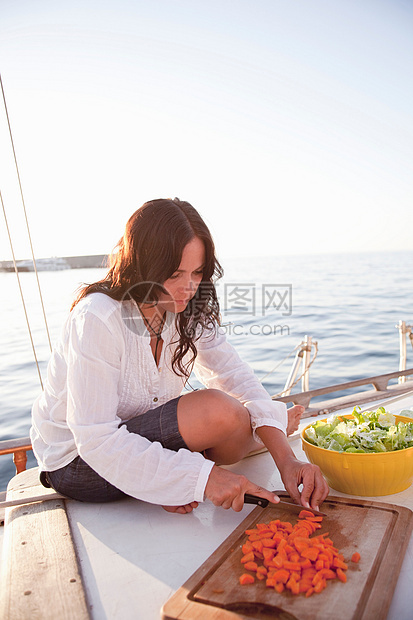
(371, 431)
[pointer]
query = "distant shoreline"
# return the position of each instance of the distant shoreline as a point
(56, 263)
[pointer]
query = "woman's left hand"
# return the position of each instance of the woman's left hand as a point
(315, 489)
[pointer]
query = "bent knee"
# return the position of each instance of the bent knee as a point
(223, 409)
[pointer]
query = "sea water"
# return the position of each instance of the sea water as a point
(348, 303)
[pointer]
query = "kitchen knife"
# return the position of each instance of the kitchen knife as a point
(260, 501)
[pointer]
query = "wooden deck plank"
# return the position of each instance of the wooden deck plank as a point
(43, 578)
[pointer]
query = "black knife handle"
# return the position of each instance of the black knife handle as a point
(254, 499)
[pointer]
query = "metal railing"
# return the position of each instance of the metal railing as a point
(18, 448)
(303, 357)
(381, 390)
(404, 332)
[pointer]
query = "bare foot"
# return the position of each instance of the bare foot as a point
(181, 509)
(294, 417)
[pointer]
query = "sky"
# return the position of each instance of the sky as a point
(287, 123)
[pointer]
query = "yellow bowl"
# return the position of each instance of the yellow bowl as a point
(367, 475)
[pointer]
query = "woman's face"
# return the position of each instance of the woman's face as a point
(183, 284)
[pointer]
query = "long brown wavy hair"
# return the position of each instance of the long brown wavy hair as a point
(149, 252)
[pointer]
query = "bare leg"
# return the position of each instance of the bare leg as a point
(216, 424)
(212, 422)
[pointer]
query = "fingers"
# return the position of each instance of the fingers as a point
(254, 489)
(308, 488)
(320, 492)
(226, 489)
(315, 488)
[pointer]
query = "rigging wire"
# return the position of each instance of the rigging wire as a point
(21, 291)
(26, 219)
(302, 374)
(279, 363)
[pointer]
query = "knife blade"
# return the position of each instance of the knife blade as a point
(260, 501)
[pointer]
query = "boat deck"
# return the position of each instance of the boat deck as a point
(133, 556)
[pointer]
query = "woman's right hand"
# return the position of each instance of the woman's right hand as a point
(226, 489)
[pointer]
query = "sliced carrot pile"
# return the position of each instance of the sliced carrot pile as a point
(291, 558)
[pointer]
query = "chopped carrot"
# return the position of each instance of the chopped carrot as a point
(315, 518)
(269, 543)
(311, 553)
(292, 565)
(257, 546)
(253, 566)
(337, 563)
(268, 553)
(246, 579)
(278, 537)
(355, 557)
(247, 547)
(317, 577)
(320, 585)
(341, 575)
(293, 586)
(308, 573)
(307, 525)
(282, 544)
(304, 514)
(292, 557)
(281, 575)
(329, 574)
(278, 561)
(300, 543)
(286, 525)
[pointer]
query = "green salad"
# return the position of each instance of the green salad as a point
(371, 431)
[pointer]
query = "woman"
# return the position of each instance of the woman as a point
(112, 421)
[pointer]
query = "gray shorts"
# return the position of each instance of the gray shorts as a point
(79, 481)
(160, 424)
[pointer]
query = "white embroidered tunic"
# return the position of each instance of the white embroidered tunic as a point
(102, 372)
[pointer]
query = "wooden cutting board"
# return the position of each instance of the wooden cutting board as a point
(379, 532)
